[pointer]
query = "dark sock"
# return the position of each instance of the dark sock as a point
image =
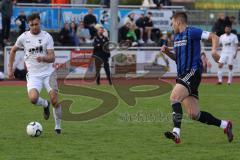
(209, 119)
(177, 114)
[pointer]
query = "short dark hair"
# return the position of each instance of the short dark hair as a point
(150, 13)
(182, 16)
(228, 26)
(33, 16)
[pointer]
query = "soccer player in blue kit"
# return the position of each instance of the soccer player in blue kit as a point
(189, 68)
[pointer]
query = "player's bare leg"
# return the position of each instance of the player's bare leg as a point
(179, 92)
(36, 100)
(192, 107)
(230, 74)
(220, 68)
(57, 110)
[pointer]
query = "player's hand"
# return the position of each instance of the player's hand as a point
(215, 56)
(164, 49)
(39, 59)
(10, 73)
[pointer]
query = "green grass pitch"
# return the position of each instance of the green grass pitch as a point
(119, 135)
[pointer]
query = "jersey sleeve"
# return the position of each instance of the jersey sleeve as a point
(198, 34)
(50, 43)
(20, 41)
(205, 35)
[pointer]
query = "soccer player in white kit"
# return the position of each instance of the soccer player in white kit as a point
(229, 42)
(39, 56)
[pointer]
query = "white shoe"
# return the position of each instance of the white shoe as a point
(141, 41)
(134, 44)
(150, 41)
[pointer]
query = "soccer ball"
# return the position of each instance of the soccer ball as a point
(34, 129)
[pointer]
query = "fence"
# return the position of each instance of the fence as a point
(76, 61)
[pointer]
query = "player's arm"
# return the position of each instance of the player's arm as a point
(49, 58)
(11, 61)
(164, 49)
(236, 47)
(215, 44)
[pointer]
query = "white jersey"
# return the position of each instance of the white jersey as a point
(229, 43)
(35, 46)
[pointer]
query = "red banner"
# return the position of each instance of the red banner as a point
(81, 58)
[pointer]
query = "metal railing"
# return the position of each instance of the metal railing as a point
(95, 6)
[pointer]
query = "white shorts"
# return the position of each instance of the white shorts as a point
(37, 82)
(226, 59)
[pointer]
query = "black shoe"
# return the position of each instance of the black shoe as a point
(174, 136)
(58, 131)
(219, 83)
(46, 111)
(228, 131)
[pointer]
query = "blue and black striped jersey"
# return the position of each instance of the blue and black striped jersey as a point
(187, 48)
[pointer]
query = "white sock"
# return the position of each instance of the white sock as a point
(57, 114)
(230, 75)
(176, 130)
(220, 75)
(223, 124)
(42, 102)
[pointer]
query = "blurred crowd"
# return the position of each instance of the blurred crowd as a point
(137, 31)
(222, 22)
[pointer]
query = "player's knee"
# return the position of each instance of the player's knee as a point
(54, 101)
(193, 115)
(175, 98)
(230, 67)
(33, 100)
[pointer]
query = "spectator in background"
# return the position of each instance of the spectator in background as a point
(101, 54)
(90, 21)
(163, 39)
(106, 3)
(130, 19)
(73, 30)
(83, 34)
(129, 22)
(149, 26)
(21, 22)
(170, 39)
(123, 32)
(140, 23)
(220, 24)
(145, 25)
(161, 3)
(206, 65)
(6, 10)
(65, 36)
(233, 22)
